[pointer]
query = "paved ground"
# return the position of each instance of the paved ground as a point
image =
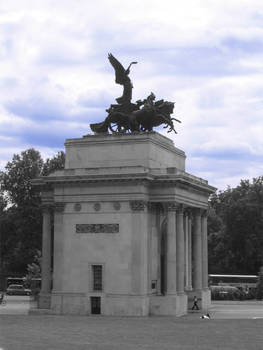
(237, 310)
(236, 329)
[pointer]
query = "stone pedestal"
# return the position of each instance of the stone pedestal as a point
(44, 300)
(114, 208)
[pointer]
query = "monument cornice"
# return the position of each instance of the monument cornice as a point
(146, 178)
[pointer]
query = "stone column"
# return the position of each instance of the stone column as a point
(139, 247)
(204, 251)
(58, 271)
(186, 250)
(44, 297)
(197, 251)
(180, 248)
(189, 250)
(171, 248)
(158, 227)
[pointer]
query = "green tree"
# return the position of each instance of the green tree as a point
(21, 219)
(53, 164)
(236, 245)
(16, 180)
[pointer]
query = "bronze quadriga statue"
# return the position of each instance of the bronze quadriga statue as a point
(141, 116)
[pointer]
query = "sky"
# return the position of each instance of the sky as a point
(206, 56)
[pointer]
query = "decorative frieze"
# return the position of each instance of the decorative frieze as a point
(97, 228)
(138, 205)
(59, 207)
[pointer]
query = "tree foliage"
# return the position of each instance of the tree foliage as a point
(235, 229)
(20, 213)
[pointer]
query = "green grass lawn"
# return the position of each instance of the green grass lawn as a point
(35, 332)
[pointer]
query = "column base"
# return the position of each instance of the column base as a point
(69, 303)
(110, 305)
(44, 301)
(169, 305)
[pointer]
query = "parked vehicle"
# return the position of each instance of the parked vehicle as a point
(18, 289)
(226, 293)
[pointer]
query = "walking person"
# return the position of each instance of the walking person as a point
(195, 306)
(2, 298)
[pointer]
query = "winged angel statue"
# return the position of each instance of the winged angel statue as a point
(122, 78)
(141, 116)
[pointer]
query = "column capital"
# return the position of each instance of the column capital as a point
(138, 205)
(188, 212)
(59, 207)
(204, 213)
(181, 209)
(152, 206)
(197, 211)
(172, 206)
(46, 207)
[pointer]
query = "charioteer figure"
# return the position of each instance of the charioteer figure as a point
(141, 116)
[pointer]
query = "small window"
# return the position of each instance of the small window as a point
(97, 277)
(95, 305)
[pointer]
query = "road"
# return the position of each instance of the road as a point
(17, 305)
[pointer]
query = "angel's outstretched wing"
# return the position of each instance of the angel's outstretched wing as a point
(120, 73)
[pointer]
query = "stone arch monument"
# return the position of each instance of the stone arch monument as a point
(130, 229)
(130, 226)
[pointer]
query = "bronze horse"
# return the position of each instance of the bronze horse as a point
(138, 120)
(131, 117)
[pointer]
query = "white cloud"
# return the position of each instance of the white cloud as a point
(204, 55)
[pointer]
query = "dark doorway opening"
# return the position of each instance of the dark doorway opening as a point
(95, 305)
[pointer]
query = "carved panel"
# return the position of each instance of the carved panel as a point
(97, 228)
(137, 205)
(117, 205)
(97, 206)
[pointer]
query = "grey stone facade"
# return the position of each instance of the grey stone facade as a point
(125, 203)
